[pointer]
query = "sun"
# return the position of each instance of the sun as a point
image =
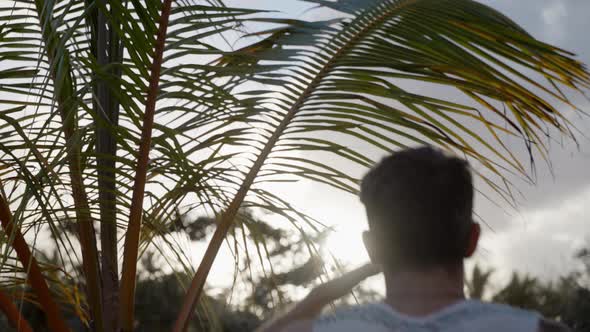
(346, 245)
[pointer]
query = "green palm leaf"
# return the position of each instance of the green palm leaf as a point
(80, 116)
(346, 78)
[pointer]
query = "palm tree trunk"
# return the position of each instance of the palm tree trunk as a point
(64, 94)
(107, 113)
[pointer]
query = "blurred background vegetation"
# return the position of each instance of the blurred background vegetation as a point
(159, 294)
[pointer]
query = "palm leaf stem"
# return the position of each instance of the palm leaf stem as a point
(198, 282)
(13, 315)
(60, 72)
(55, 319)
(131, 247)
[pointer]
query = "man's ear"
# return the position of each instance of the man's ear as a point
(370, 245)
(474, 233)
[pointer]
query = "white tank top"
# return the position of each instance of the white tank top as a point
(464, 316)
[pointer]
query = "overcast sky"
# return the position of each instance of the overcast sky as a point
(552, 219)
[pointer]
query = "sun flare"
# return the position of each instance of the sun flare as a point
(346, 245)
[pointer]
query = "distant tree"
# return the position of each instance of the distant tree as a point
(159, 300)
(228, 313)
(522, 291)
(566, 299)
(577, 314)
(478, 282)
(159, 295)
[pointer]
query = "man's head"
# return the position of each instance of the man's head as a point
(419, 204)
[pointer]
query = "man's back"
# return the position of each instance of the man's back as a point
(419, 205)
(468, 315)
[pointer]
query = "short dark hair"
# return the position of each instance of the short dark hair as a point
(419, 203)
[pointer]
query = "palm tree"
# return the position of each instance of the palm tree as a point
(521, 291)
(478, 282)
(125, 114)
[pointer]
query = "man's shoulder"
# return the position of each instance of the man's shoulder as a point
(366, 317)
(366, 312)
(299, 326)
(494, 307)
(469, 314)
(344, 315)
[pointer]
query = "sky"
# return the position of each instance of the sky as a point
(552, 219)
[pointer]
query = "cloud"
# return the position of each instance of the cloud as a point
(542, 241)
(554, 16)
(554, 13)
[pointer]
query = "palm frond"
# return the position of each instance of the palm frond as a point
(130, 255)
(349, 79)
(55, 319)
(56, 119)
(13, 314)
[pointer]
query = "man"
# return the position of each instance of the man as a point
(419, 206)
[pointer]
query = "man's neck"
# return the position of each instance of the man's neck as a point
(420, 292)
